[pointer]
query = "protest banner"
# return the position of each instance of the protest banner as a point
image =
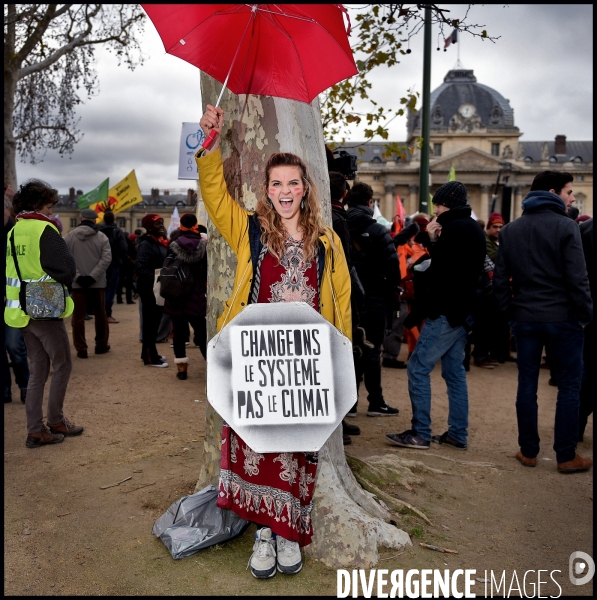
(191, 138)
(281, 376)
(123, 195)
(174, 221)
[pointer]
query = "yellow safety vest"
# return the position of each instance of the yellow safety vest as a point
(27, 233)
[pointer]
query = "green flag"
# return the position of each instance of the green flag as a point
(99, 194)
(452, 174)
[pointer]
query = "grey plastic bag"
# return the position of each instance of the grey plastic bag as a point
(195, 522)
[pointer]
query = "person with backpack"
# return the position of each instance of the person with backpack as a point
(151, 253)
(376, 262)
(118, 247)
(183, 284)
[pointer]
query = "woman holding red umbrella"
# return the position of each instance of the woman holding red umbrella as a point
(285, 253)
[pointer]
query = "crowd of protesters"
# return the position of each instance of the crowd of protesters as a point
(92, 264)
(450, 288)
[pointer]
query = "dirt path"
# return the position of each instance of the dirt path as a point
(63, 535)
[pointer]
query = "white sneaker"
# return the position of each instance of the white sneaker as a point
(263, 559)
(289, 559)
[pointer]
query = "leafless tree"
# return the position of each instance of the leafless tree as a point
(49, 68)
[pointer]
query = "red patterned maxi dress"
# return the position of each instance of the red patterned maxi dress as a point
(273, 490)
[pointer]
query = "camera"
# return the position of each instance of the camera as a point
(343, 163)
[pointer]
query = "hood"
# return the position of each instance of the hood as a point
(189, 247)
(359, 218)
(543, 199)
(85, 230)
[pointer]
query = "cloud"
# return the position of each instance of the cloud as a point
(542, 63)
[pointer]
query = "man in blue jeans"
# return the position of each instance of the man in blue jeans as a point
(456, 244)
(541, 283)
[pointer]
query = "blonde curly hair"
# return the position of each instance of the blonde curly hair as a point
(273, 233)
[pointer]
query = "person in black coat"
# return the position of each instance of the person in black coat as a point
(127, 271)
(457, 248)
(118, 247)
(541, 283)
(189, 246)
(376, 262)
(586, 389)
(151, 253)
(338, 193)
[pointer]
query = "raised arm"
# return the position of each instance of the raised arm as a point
(229, 217)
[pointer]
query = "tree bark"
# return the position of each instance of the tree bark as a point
(349, 523)
(10, 146)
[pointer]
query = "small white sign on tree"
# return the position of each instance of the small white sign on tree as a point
(281, 376)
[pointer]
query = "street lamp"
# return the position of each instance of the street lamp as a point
(425, 110)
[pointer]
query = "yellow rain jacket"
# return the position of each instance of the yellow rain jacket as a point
(232, 221)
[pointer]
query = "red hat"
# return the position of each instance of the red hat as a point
(582, 218)
(494, 217)
(421, 221)
(148, 220)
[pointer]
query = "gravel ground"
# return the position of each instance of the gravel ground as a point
(64, 535)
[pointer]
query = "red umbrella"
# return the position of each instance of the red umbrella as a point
(285, 50)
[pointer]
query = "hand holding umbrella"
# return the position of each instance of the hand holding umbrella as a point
(211, 124)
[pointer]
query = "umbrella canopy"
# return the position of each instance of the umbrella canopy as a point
(291, 51)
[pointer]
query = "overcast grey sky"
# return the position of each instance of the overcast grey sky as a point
(542, 63)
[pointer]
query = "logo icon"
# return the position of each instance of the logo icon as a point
(581, 568)
(194, 140)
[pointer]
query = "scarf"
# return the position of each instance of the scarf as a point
(161, 240)
(31, 214)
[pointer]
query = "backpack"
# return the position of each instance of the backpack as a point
(110, 233)
(176, 280)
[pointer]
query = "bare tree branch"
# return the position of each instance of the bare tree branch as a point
(380, 32)
(49, 67)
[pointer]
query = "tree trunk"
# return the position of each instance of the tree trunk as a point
(349, 523)
(10, 147)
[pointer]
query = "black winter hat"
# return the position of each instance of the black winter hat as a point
(450, 194)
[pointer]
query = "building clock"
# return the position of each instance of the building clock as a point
(467, 110)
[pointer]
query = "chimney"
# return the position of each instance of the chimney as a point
(560, 144)
(71, 194)
(155, 192)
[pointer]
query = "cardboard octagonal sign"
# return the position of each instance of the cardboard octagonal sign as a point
(281, 376)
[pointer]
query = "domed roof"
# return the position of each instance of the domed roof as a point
(460, 87)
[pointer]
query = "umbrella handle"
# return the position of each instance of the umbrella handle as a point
(209, 139)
